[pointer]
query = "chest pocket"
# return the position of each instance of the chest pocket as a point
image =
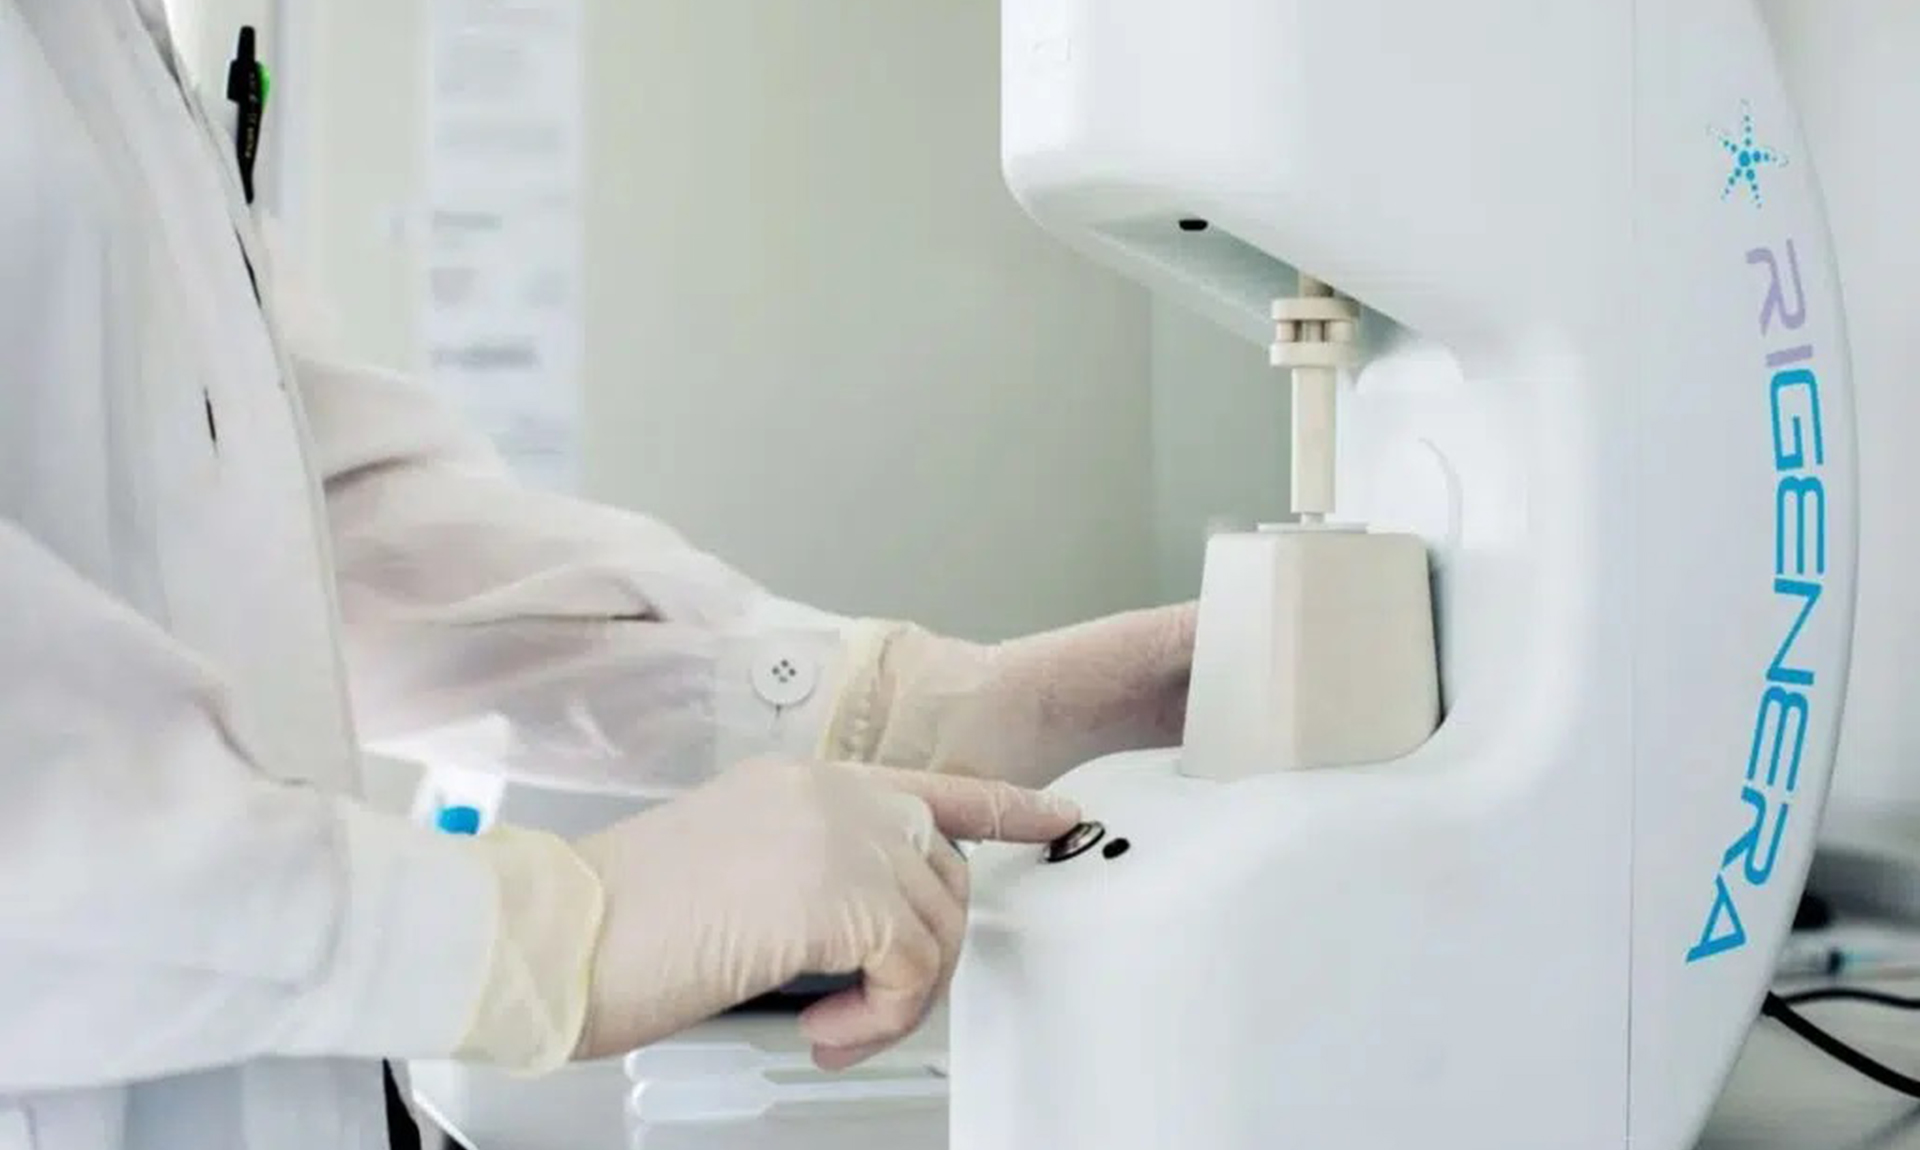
(239, 528)
(16, 1128)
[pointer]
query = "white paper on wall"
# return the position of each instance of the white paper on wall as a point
(505, 141)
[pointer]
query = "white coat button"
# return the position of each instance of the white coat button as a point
(784, 677)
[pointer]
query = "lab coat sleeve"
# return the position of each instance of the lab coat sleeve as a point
(497, 626)
(169, 906)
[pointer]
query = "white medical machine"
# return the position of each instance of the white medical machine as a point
(1570, 265)
(1850, 68)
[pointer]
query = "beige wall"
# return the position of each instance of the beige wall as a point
(820, 336)
(1220, 451)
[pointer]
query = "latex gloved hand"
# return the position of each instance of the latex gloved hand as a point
(777, 870)
(1026, 711)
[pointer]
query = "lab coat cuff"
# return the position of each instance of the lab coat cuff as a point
(783, 678)
(413, 947)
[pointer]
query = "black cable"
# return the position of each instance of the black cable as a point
(1850, 994)
(1778, 1009)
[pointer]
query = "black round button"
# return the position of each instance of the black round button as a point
(1076, 842)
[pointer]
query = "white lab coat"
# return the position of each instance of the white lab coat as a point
(205, 939)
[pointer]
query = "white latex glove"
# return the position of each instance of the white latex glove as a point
(777, 870)
(1026, 711)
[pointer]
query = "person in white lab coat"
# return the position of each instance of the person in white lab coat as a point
(227, 564)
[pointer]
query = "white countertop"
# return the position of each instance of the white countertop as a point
(1784, 1096)
(582, 1108)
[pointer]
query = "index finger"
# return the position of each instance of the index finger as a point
(984, 810)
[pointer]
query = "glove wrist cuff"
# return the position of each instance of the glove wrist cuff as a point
(859, 716)
(533, 1009)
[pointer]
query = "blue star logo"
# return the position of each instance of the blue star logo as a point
(1748, 156)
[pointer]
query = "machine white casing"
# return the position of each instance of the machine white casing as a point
(1624, 427)
(1850, 67)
